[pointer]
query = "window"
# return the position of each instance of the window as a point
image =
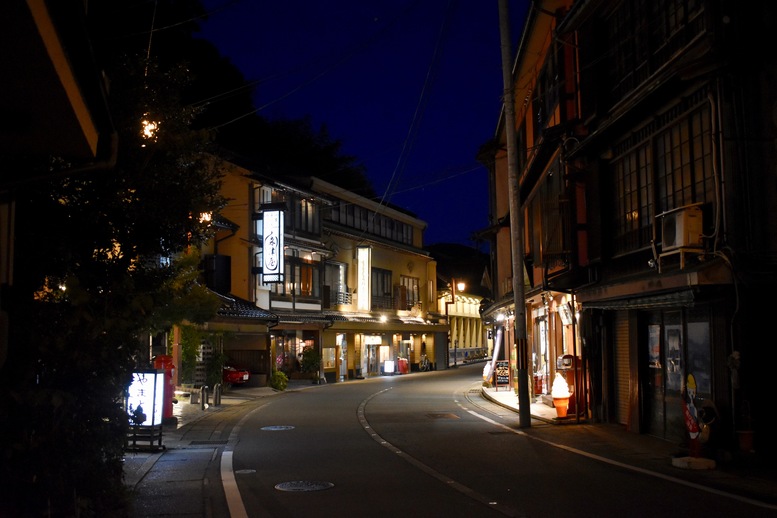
(306, 215)
(644, 36)
(363, 219)
(381, 289)
(411, 291)
(549, 211)
(302, 278)
(684, 162)
(664, 165)
(634, 203)
(335, 276)
(307, 280)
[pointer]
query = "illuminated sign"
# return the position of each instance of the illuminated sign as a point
(145, 398)
(272, 249)
(364, 268)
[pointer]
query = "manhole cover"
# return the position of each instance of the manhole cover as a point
(245, 472)
(303, 485)
(275, 428)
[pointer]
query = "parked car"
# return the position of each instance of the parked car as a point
(234, 375)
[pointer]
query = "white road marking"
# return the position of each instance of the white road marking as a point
(625, 466)
(234, 500)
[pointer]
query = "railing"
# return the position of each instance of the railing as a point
(458, 355)
(340, 298)
(382, 302)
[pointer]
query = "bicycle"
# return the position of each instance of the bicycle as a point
(424, 364)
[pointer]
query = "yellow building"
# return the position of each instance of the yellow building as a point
(349, 279)
(468, 336)
(381, 288)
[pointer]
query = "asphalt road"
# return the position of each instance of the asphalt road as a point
(427, 446)
(419, 445)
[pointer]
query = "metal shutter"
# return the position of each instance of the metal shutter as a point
(622, 376)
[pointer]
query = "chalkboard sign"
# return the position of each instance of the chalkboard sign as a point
(502, 372)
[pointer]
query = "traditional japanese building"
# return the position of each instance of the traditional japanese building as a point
(645, 167)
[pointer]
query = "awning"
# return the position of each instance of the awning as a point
(674, 299)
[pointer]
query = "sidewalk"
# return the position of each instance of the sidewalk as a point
(741, 473)
(139, 461)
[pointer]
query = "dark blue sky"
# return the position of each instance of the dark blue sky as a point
(412, 88)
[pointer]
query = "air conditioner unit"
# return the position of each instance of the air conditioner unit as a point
(681, 228)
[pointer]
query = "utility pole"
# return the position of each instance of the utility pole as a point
(516, 220)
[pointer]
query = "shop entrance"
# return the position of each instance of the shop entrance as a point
(540, 361)
(678, 370)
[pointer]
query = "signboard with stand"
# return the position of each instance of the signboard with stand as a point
(144, 403)
(502, 373)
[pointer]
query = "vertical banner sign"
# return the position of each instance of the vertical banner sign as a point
(272, 249)
(145, 398)
(364, 272)
(488, 371)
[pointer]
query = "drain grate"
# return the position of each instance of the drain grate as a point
(275, 428)
(303, 485)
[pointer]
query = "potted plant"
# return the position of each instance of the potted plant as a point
(743, 424)
(310, 362)
(745, 428)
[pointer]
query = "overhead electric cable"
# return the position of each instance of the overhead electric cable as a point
(419, 110)
(350, 53)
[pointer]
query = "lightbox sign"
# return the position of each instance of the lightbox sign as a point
(364, 271)
(272, 246)
(145, 398)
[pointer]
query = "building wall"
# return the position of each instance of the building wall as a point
(237, 187)
(649, 112)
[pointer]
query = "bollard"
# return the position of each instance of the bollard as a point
(217, 394)
(204, 397)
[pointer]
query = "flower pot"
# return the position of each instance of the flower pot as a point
(745, 440)
(561, 404)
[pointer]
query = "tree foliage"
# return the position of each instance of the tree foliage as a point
(293, 148)
(104, 256)
(101, 260)
(310, 359)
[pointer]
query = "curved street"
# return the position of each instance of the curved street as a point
(425, 444)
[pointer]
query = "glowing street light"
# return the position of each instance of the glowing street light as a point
(148, 129)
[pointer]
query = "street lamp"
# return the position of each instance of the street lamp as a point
(453, 286)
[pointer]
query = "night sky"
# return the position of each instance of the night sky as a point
(411, 88)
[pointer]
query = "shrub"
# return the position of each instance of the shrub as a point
(278, 380)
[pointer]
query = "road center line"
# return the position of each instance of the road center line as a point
(461, 488)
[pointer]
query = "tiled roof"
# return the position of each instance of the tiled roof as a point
(294, 317)
(235, 307)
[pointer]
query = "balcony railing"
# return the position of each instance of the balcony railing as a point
(340, 298)
(382, 302)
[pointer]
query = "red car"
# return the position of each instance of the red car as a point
(235, 375)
